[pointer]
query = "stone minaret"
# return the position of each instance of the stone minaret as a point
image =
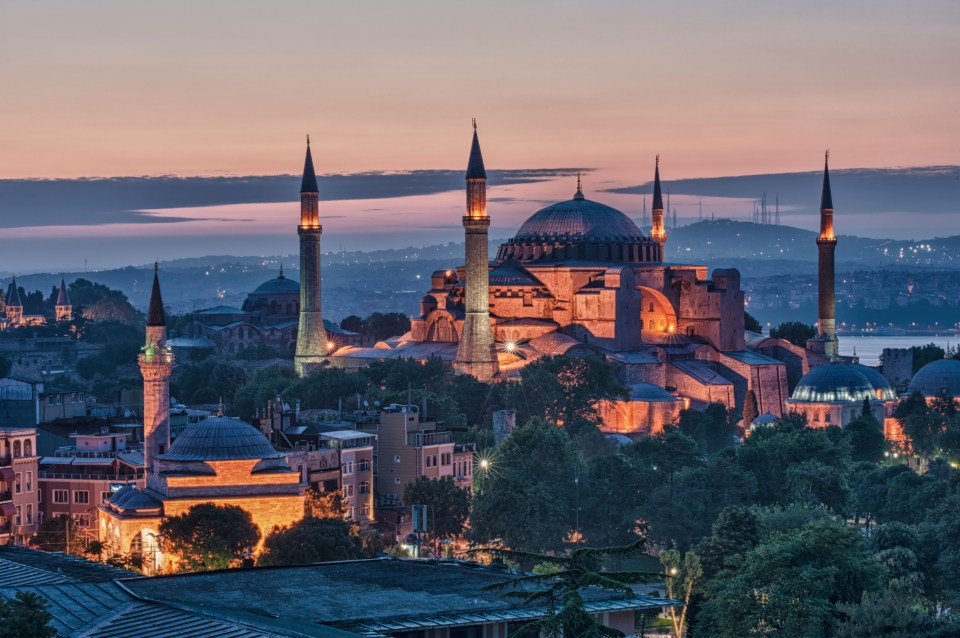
(63, 308)
(826, 245)
(476, 355)
(657, 233)
(311, 337)
(156, 366)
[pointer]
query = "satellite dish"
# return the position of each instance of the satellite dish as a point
(366, 403)
(376, 404)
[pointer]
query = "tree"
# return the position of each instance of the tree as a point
(526, 498)
(210, 536)
(325, 504)
(558, 587)
(52, 535)
(680, 576)
(735, 532)
(922, 355)
(25, 616)
(922, 425)
(867, 441)
(448, 506)
(610, 502)
(791, 584)
(353, 323)
(750, 409)
(311, 540)
(795, 332)
(566, 390)
(750, 323)
(380, 325)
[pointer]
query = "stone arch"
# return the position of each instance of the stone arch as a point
(441, 327)
(28, 448)
(656, 311)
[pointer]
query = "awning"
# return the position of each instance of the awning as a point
(7, 474)
(8, 509)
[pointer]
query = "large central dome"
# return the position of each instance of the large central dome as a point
(582, 219)
(580, 230)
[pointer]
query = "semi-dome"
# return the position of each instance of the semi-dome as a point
(650, 393)
(937, 376)
(580, 229)
(841, 383)
(277, 286)
(220, 438)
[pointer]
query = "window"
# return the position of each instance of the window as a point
(365, 511)
(81, 496)
(347, 491)
(428, 458)
(396, 459)
(51, 400)
(19, 520)
(363, 465)
(28, 487)
(83, 520)
(16, 449)
(28, 448)
(60, 496)
(105, 496)
(826, 417)
(445, 459)
(29, 514)
(396, 481)
(348, 467)
(16, 485)
(364, 487)
(59, 399)
(353, 512)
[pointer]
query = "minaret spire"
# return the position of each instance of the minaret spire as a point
(657, 232)
(826, 247)
(579, 193)
(156, 366)
(476, 354)
(311, 336)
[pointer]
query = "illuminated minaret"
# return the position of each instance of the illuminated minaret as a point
(156, 366)
(826, 245)
(476, 355)
(311, 337)
(657, 233)
(63, 308)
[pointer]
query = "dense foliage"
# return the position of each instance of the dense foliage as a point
(795, 332)
(210, 536)
(448, 506)
(25, 616)
(311, 540)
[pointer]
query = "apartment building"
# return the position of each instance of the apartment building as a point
(19, 491)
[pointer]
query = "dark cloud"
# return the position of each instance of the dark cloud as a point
(95, 201)
(929, 189)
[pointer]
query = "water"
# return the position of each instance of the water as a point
(869, 348)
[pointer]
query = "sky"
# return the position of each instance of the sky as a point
(217, 89)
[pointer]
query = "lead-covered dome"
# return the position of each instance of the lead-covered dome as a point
(937, 376)
(580, 229)
(278, 286)
(842, 383)
(220, 438)
(582, 219)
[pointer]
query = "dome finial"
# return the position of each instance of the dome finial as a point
(579, 193)
(281, 271)
(220, 406)
(474, 123)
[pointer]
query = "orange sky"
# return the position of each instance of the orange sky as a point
(719, 88)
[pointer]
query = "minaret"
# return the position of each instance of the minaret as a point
(14, 304)
(476, 355)
(311, 337)
(156, 366)
(826, 245)
(63, 308)
(657, 233)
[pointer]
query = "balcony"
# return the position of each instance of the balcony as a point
(6, 496)
(89, 477)
(420, 439)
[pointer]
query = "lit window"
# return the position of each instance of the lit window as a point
(81, 497)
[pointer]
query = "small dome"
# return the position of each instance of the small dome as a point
(511, 273)
(841, 383)
(129, 497)
(278, 286)
(943, 374)
(220, 438)
(582, 219)
(650, 393)
(765, 419)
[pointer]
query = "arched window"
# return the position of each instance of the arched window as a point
(16, 449)
(28, 448)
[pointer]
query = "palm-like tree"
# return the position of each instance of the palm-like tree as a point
(561, 589)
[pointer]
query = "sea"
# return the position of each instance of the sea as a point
(868, 349)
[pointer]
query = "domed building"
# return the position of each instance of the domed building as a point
(580, 277)
(219, 460)
(833, 394)
(937, 377)
(269, 317)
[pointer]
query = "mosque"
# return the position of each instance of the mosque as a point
(580, 278)
(12, 313)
